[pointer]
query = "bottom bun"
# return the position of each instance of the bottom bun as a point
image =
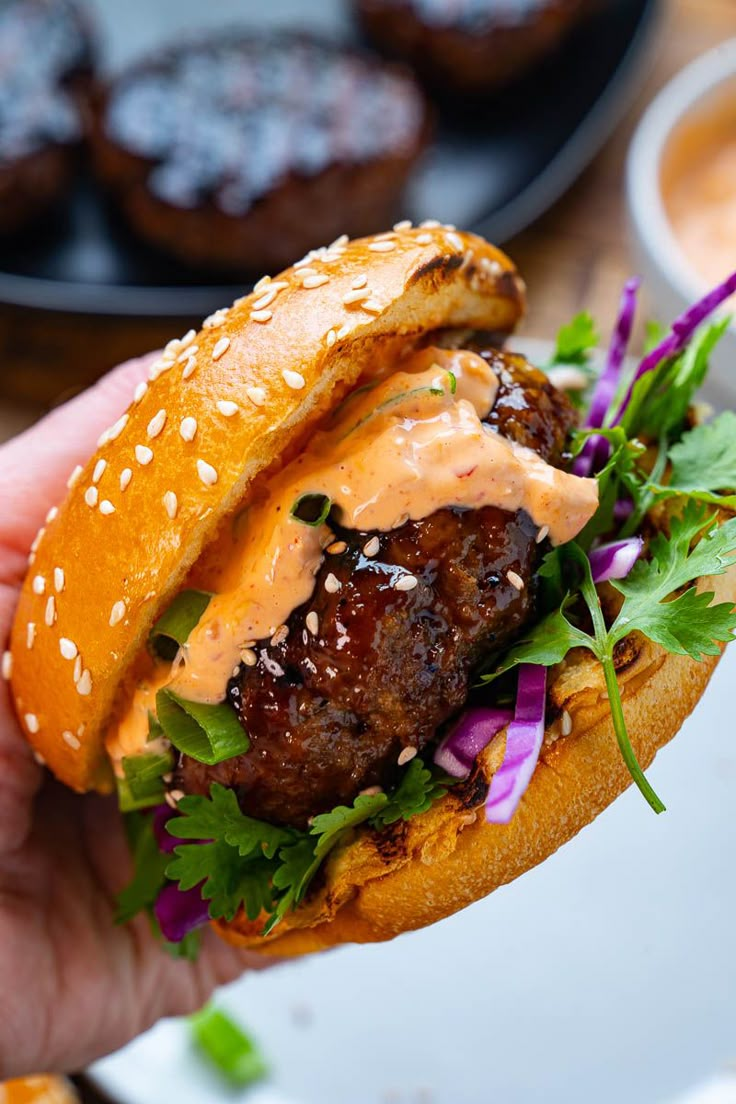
(417, 872)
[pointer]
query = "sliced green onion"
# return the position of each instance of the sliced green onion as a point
(453, 381)
(208, 733)
(227, 1047)
(175, 625)
(394, 400)
(311, 509)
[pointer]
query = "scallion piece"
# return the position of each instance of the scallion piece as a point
(227, 1047)
(175, 625)
(311, 509)
(208, 733)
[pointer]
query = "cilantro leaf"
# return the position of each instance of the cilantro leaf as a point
(219, 817)
(704, 460)
(576, 340)
(547, 643)
(149, 867)
(417, 791)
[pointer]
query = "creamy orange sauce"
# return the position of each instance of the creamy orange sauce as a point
(412, 444)
(130, 735)
(699, 187)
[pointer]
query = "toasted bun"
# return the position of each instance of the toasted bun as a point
(417, 872)
(43, 1088)
(110, 560)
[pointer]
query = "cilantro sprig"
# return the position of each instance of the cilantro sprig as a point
(686, 624)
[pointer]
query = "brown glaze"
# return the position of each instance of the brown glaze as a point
(329, 714)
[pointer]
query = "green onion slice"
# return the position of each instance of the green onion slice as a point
(394, 400)
(311, 509)
(225, 1045)
(175, 625)
(142, 784)
(208, 733)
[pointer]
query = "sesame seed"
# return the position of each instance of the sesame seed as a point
(305, 271)
(405, 224)
(90, 496)
(75, 474)
(171, 504)
(455, 240)
(159, 367)
(39, 584)
(156, 424)
(188, 368)
(312, 622)
(38, 757)
(115, 430)
(143, 454)
(565, 723)
(206, 473)
(343, 331)
(37, 539)
(370, 791)
(30, 634)
(175, 795)
(221, 348)
(187, 339)
(188, 428)
(294, 380)
(125, 477)
(6, 667)
(336, 548)
(84, 685)
(430, 224)
(171, 348)
(59, 579)
(261, 315)
(542, 534)
(382, 246)
(424, 239)
(311, 282)
(68, 648)
(53, 513)
(339, 243)
(259, 286)
(249, 657)
(516, 580)
(72, 740)
(77, 673)
(187, 354)
(227, 408)
(372, 306)
(214, 320)
(106, 507)
(371, 547)
(331, 338)
(50, 612)
(31, 722)
(406, 755)
(117, 613)
(99, 470)
(280, 635)
(332, 584)
(270, 294)
(406, 582)
(359, 282)
(256, 395)
(357, 296)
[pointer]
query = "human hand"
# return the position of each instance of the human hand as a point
(73, 985)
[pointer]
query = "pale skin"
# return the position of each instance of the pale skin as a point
(73, 985)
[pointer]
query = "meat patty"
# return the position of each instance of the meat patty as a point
(244, 151)
(368, 669)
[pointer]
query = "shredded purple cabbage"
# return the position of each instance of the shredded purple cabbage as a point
(614, 560)
(162, 814)
(523, 743)
(467, 739)
(180, 911)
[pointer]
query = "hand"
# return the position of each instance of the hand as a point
(73, 985)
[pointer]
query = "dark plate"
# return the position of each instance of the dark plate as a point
(493, 168)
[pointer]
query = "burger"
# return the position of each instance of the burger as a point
(363, 615)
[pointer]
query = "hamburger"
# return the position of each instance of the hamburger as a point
(363, 615)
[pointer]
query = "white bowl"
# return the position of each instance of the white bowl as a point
(669, 275)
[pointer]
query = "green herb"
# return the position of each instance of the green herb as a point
(142, 785)
(311, 509)
(225, 1045)
(266, 869)
(688, 624)
(395, 400)
(576, 341)
(453, 382)
(704, 464)
(149, 867)
(208, 733)
(654, 334)
(174, 626)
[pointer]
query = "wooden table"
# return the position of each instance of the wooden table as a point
(577, 255)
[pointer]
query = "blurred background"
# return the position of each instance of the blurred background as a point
(158, 156)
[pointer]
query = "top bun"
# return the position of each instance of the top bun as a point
(222, 406)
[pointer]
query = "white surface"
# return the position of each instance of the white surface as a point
(606, 974)
(667, 272)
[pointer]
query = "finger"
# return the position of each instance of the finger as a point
(35, 466)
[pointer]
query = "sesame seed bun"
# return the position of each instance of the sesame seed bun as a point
(419, 871)
(42, 1088)
(225, 405)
